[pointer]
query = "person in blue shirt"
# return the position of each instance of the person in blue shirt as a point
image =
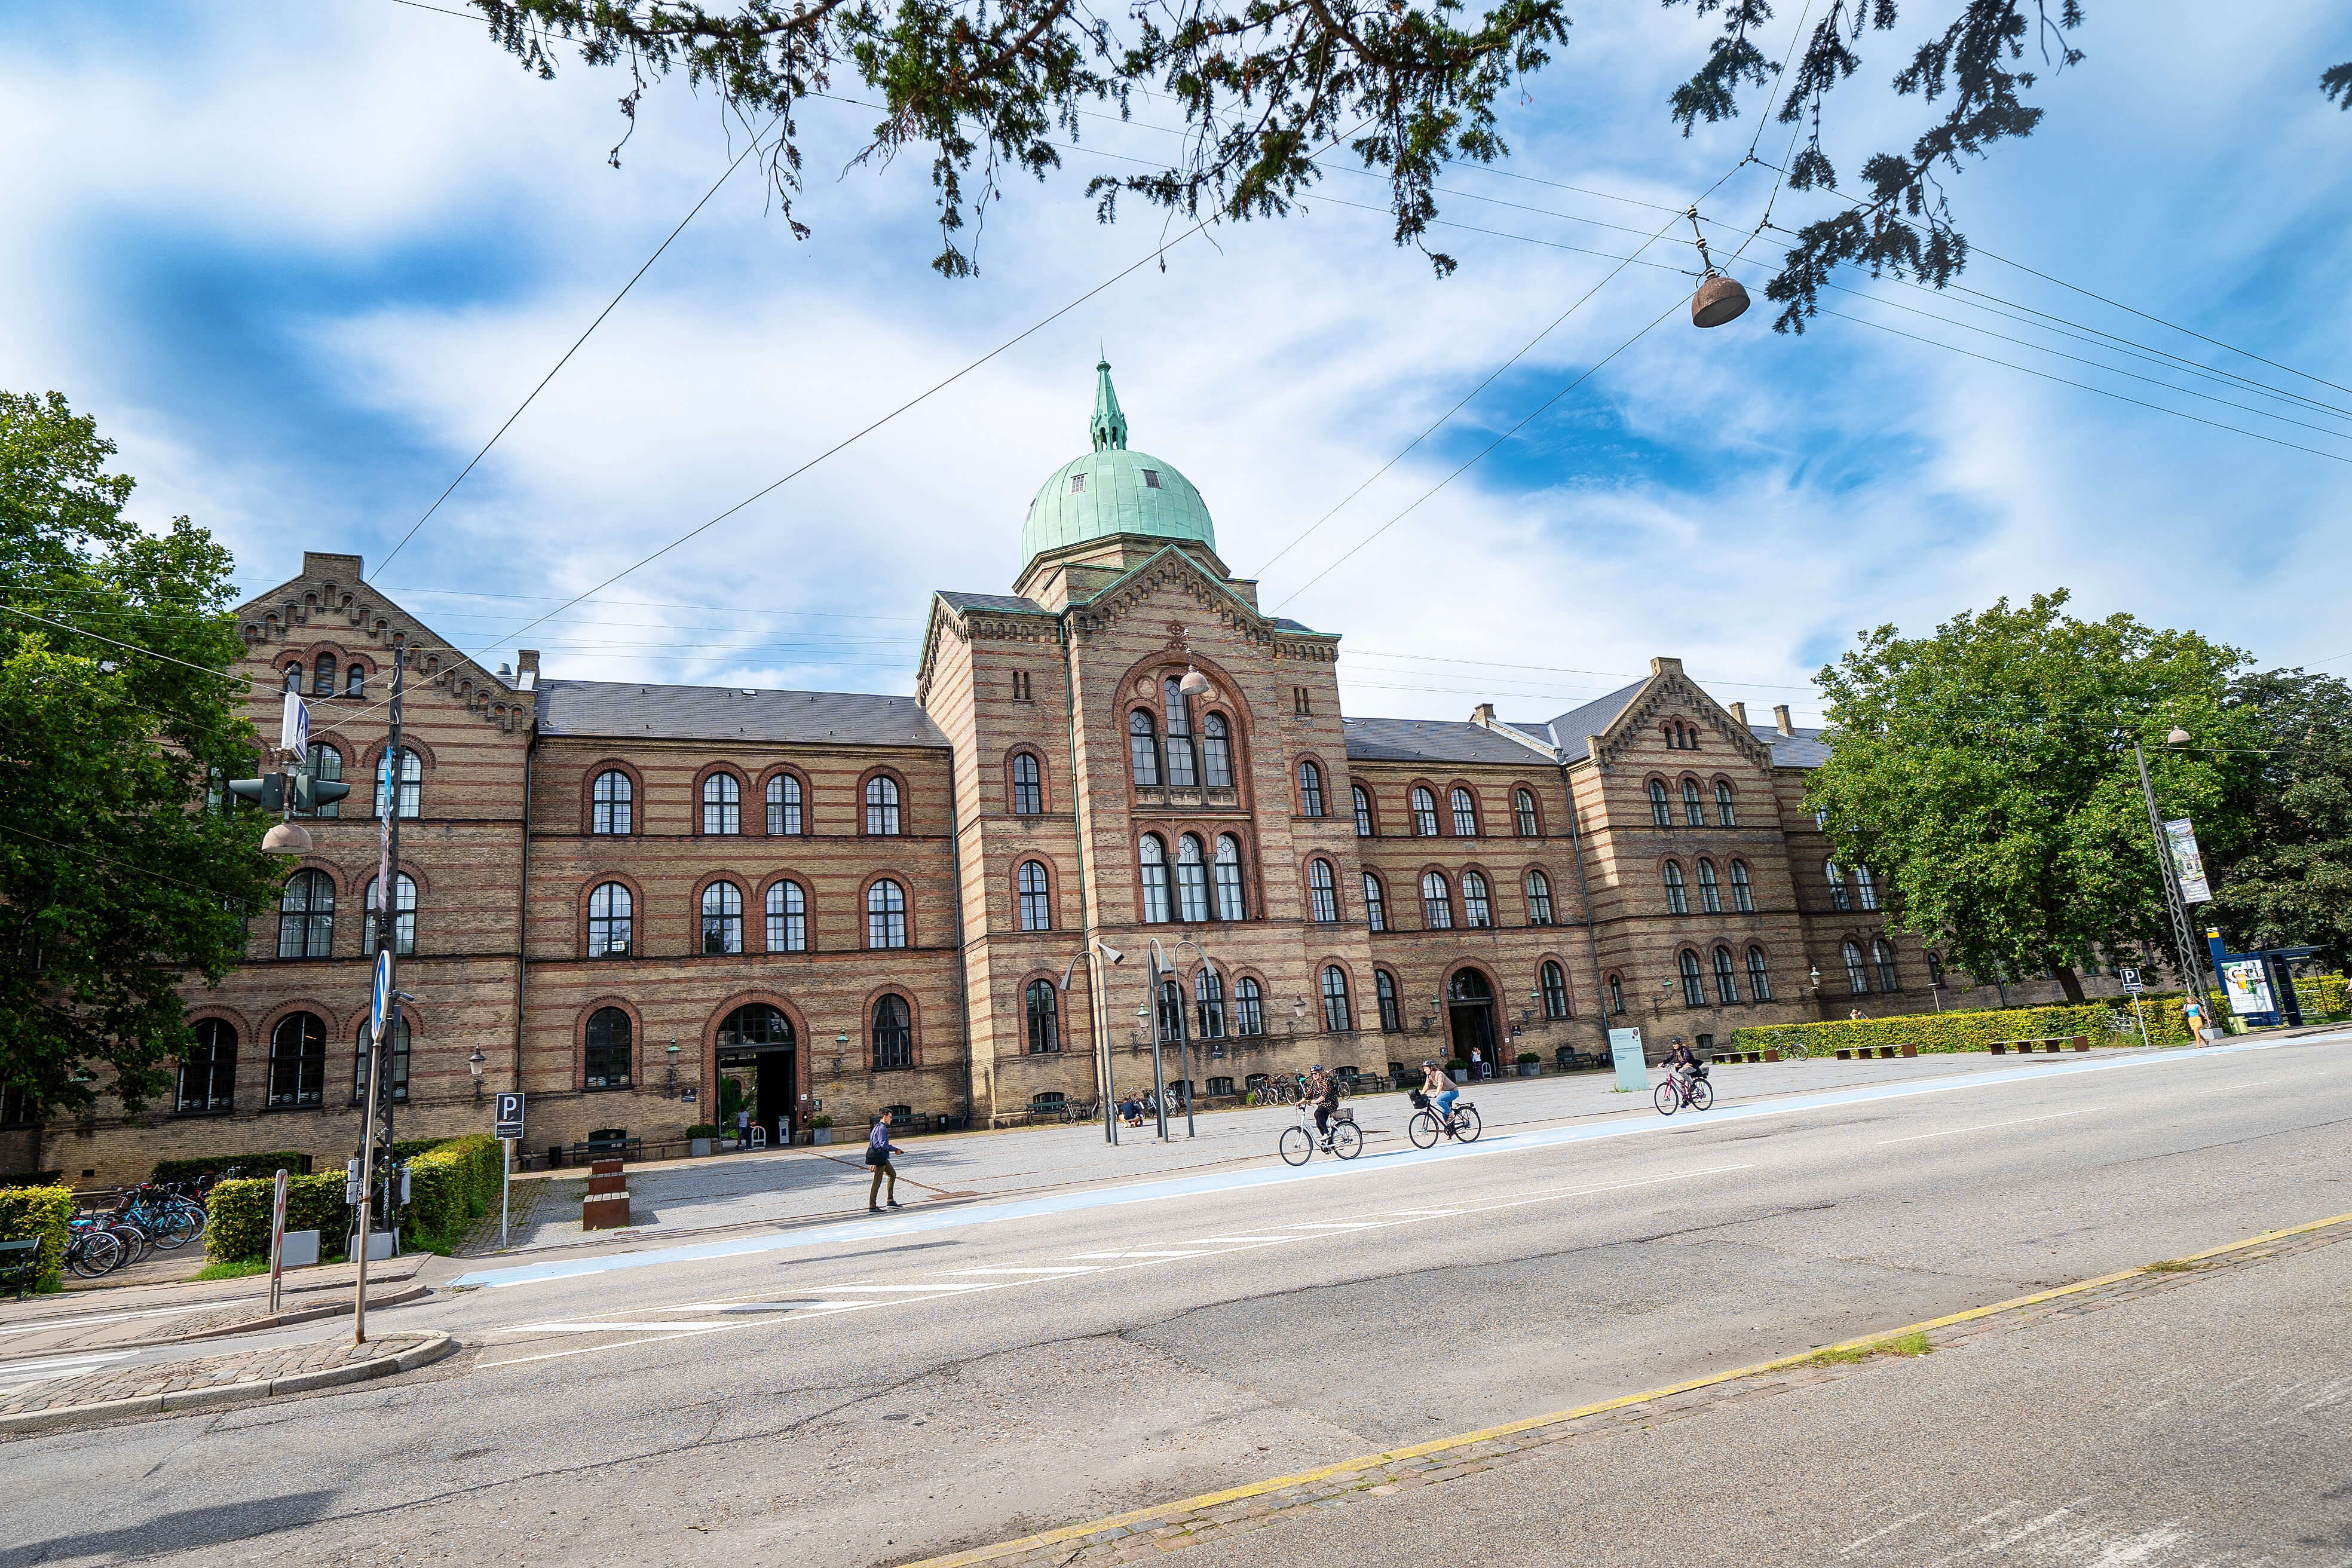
(879, 1150)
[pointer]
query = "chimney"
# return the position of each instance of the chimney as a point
(526, 668)
(1739, 715)
(1780, 719)
(1482, 714)
(1666, 667)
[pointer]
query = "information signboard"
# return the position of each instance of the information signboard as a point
(511, 1116)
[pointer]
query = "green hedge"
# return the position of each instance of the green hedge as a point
(31, 1178)
(1974, 1031)
(45, 1213)
(213, 1165)
(450, 1186)
(238, 1228)
(2321, 997)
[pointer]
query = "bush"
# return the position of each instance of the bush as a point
(2320, 995)
(822, 1118)
(1456, 1067)
(44, 1213)
(450, 1186)
(213, 1165)
(409, 1148)
(238, 1227)
(1973, 1031)
(1527, 1057)
(702, 1129)
(31, 1178)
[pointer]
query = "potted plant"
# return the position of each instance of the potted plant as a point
(821, 1128)
(701, 1137)
(1457, 1069)
(1531, 1065)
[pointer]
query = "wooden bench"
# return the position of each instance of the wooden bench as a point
(2051, 1045)
(20, 1264)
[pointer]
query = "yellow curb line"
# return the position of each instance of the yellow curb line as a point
(1466, 1439)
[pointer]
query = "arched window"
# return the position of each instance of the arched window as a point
(396, 1066)
(1152, 855)
(1693, 811)
(1322, 893)
(885, 914)
(722, 804)
(1555, 991)
(1216, 753)
(882, 807)
(1678, 901)
(1726, 977)
(787, 918)
(1437, 902)
(1376, 909)
(305, 916)
(1036, 903)
(1838, 898)
(1231, 905)
(1694, 993)
(1616, 994)
(1337, 1018)
(403, 916)
(1759, 979)
(1710, 897)
(297, 1061)
(207, 1076)
(1743, 896)
(722, 918)
(610, 908)
(1425, 813)
(1310, 790)
(323, 675)
(1882, 957)
(1170, 1011)
(1865, 888)
(1209, 996)
(1182, 770)
(326, 765)
(410, 774)
(1725, 816)
(294, 676)
(1661, 813)
(894, 1035)
(756, 1023)
(1191, 881)
(356, 681)
(1384, 991)
(1249, 1007)
(1044, 1019)
(1538, 898)
(1465, 814)
(609, 800)
(1028, 786)
(1477, 908)
(1143, 749)
(784, 807)
(1363, 810)
(1857, 978)
(610, 1058)
(1523, 806)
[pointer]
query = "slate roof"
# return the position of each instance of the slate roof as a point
(1803, 749)
(1433, 741)
(628, 709)
(1012, 604)
(1573, 727)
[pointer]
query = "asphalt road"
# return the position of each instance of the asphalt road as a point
(865, 1392)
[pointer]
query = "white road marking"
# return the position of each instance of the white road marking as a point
(1988, 1126)
(21, 1374)
(695, 1327)
(898, 1289)
(1134, 1252)
(49, 1324)
(1065, 1269)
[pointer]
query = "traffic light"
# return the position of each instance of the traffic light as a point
(267, 792)
(311, 794)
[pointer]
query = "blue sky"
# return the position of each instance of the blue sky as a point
(302, 261)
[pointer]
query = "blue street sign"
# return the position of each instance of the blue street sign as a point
(379, 998)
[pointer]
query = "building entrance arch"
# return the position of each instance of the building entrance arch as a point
(757, 1050)
(1470, 1016)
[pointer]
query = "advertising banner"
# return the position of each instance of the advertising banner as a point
(2187, 863)
(2248, 983)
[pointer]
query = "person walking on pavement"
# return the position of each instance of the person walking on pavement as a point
(1477, 1066)
(743, 1127)
(2194, 1016)
(879, 1150)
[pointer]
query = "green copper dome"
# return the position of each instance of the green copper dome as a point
(1113, 491)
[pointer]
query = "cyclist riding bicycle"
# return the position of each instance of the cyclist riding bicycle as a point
(1440, 1087)
(1323, 1090)
(1683, 1062)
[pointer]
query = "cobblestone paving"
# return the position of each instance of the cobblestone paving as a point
(151, 1378)
(1221, 1515)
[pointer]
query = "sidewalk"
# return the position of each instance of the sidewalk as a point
(104, 1394)
(163, 1313)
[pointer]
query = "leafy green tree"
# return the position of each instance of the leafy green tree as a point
(1985, 775)
(2289, 883)
(115, 878)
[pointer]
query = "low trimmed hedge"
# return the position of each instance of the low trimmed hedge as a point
(1973, 1031)
(450, 1186)
(43, 1212)
(2321, 997)
(293, 1160)
(238, 1228)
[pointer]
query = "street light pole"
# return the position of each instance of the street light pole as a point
(1184, 1034)
(387, 931)
(1098, 1008)
(2174, 905)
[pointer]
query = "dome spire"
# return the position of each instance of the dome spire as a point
(1109, 426)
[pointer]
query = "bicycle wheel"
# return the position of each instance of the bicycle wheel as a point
(1795, 1050)
(173, 1230)
(136, 1243)
(1701, 1095)
(93, 1253)
(1347, 1140)
(1422, 1129)
(1297, 1146)
(1669, 1098)
(1466, 1126)
(198, 1216)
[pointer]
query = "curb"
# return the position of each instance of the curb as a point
(31, 1421)
(287, 1320)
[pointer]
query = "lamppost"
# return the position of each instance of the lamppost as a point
(1095, 950)
(474, 1064)
(1184, 1032)
(1813, 983)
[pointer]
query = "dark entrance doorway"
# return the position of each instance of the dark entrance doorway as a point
(1470, 1016)
(760, 1038)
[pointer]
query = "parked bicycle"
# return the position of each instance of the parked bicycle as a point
(1679, 1091)
(1461, 1124)
(1079, 1110)
(1297, 1143)
(91, 1249)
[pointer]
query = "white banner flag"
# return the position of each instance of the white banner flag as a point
(294, 726)
(2187, 863)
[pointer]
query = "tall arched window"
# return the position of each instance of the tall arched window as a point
(356, 681)
(1883, 958)
(1838, 896)
(1044, 1019)
(1143, 749)
(894, 1035)
(1710, 897)
(323, 675)
(784, 807)
(1183, 772)
(1191, 881)
(411, 784)
(207, 1075)
(403, 916)
(1478, 907)
(610, 909)
(1465, 814)
(1693, 993)
(885, 914)
(1726, 977)
(1555, 990)
(1152, 857)
(1693, 811)
(297, 1061)
(1759, 978)
(1523, 806)
(1376, 909)
(1437, 902)
(882, 807)
(326, 765)
(1661, 813)
(787, 918)
(1616, 994)
(1028, 786)
(722, 804)
(1678, 901)
(1209, 1000)
(305, 916)
(1857, 978)
(610, 799)
(1425, 813)
(722, 918)
(1384, 997)
(1363, 810)
(610, 1054)
(1036, 903)
(1337, 1016)
(1743, 896)
(394, 1086)
(1725, 816)
(1216, 753)
(1538, 898)
(1322, 893)
(1310, 790)
(1231, 905)
(1865, 888)
(1249, 1007)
